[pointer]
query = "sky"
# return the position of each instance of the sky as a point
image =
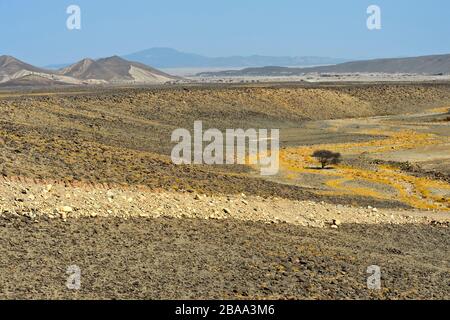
(36, 31)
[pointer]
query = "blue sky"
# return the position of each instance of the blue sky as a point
(35, 31)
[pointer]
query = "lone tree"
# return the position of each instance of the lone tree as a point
(326, 157)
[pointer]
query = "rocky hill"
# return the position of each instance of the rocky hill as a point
(436, 64)
(112, 70)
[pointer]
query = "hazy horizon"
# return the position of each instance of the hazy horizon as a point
(256, 54)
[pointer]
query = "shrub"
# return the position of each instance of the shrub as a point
(326, 157)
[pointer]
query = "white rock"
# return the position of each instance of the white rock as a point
(66, 209)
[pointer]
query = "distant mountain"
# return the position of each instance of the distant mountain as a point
(436, 64)
(115, 70)
(112, 70)
(34, 80)
(171, 58)
(12, 68)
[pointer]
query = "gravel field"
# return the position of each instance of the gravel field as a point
(86, 181)
(137, 244)
(56, 201)
(207, 259)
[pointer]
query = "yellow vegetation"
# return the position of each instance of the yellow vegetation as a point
(414, 191)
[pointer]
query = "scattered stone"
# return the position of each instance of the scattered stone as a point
(93, 203)
(67, 209)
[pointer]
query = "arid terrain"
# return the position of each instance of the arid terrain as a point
(86, 179)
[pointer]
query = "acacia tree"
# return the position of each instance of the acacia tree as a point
(326, 157)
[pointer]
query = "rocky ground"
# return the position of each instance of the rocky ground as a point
(122, 136)
(38, 200)
(164, 258)
(85, 180)
(136, 243)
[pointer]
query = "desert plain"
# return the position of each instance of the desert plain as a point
(86, 179)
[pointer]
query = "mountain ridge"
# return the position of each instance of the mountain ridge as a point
(163, 57)
(86, 71)
(11, 68)
(430, 64)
